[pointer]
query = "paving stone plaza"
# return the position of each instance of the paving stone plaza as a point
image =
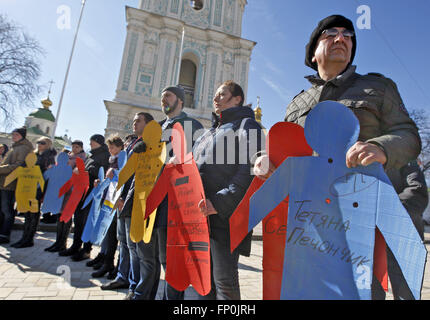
(33, 274)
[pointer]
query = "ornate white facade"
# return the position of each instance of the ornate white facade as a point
(212, 45)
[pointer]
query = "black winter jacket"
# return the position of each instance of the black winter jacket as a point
(127, 193)
(223, 155)
(99, 158)
(45, 159)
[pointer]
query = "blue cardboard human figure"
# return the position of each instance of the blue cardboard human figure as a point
(101, 213)
(333, 213)
(95, 196)
(57, 175)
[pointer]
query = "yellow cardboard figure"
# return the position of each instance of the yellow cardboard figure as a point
(146, 167)
(28, 179)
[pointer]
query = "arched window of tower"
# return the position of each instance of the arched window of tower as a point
(187, 79)
(196, 4)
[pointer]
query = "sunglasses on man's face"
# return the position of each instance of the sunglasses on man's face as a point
(41, 142)
(333, 32)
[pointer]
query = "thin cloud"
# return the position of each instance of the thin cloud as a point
(279, 90)
(95, 49)
(269, 65)
(91, 43)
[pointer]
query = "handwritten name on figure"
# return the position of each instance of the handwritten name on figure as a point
(320, 220)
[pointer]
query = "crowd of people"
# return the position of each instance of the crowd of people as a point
(388, 136)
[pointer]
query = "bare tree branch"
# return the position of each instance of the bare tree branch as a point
(19, 70)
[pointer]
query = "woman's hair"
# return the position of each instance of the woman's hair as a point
(116, 140)
(148, 116)
(47, 140)
(5, 149)
(235, 90)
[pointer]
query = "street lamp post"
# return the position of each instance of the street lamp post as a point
(67, 71)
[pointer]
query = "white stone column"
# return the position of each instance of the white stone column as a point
(132, 52)
(170, 38)
(214, 66)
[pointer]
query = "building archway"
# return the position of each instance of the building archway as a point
(187, 80)
(196, 4)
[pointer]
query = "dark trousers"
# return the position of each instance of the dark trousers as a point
(7, 200)
(63, 230)
(398, 282)
(169, 293)
(111, 243)
(224, 268)
(79, 219)
(30, 226)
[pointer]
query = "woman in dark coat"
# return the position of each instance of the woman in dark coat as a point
(226, 177)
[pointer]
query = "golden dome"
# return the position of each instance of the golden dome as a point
(46, 103)
(257, 111)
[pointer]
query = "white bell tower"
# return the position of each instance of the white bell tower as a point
(213, 52)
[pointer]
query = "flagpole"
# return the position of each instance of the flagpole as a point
(180, 56)
(67, 71)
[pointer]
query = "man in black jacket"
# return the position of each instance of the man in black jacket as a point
(99, 158)
(135, 270)
(387, 134)
(223, 156)
(172, 99)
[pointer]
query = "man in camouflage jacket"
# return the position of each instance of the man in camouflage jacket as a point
(387, 134)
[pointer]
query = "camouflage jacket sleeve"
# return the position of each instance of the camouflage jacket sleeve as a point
(400, 139)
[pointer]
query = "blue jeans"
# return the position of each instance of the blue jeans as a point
(124, 253)
(134, 260)
(7, 199)
(145, 268)
(224, 268)
(149, 267)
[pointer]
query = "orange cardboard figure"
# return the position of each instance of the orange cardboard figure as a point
(79, 183)
(188, 249)
(275, 224)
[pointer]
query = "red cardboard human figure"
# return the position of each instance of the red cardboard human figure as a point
(274, 225)
(188, 252)
(284, 140)
(79, 183)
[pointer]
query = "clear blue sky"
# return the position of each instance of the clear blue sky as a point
(397, 46)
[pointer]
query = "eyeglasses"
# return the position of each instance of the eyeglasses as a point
(333, 32)
(41, 142)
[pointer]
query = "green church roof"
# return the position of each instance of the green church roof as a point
(36, 131)
(43, 113)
